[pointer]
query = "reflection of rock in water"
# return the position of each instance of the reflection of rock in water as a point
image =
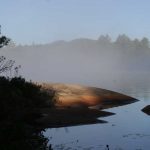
(80, 96)
(64, 117)
(146, 109)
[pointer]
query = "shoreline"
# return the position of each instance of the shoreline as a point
(80, 105)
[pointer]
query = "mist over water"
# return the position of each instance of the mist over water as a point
(121, 66)
(101, 63)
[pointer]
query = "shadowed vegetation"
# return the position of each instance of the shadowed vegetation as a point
(20, 105)
(5, 65)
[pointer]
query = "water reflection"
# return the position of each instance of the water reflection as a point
(128, 129)
(66, 117)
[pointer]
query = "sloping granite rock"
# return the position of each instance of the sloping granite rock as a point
(71, 95)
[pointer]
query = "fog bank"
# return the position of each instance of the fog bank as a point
(100, 62)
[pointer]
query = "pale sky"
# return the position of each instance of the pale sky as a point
(44, 21)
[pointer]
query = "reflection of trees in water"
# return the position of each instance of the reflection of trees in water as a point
(19, 136)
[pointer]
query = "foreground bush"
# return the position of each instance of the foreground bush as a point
(19, 97)
(20, 105)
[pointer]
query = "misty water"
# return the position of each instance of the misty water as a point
(120, 67)
(128, 129)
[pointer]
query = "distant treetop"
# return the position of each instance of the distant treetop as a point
(3, 40)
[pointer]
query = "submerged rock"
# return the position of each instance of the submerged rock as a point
(146, 109)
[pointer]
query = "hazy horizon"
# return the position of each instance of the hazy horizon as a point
(102, 62)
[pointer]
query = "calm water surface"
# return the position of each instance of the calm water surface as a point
(129, 129)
